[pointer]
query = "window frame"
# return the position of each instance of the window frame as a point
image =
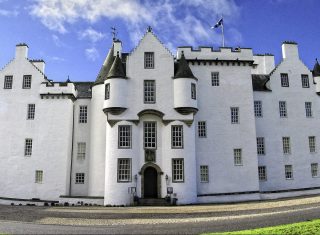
(28, 146)
(202, 129)
(237, 157)
(38, 177)
(215, 79)
(286, 172)
(283, 112)
(261, 150)
(308, 109)
(81, 150)
(149, 64)
(155, 135)
(262, 173)
(79, 178)
(107, 91)
(149, 92)
(175, 178)
(193, 91)
(314, 170)
(122, 138)
(204, 174)
(6, 83)
(177, 137)
(312, 144)
(31, 111)
(83, 114)
(25, 83)
(124, 173)
(235, 115)
(286, 145)
(305, 81)
(284, 77)
(257, 105)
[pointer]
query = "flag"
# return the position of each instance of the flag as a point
(219, 23)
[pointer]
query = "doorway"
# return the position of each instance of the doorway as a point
(150, 182)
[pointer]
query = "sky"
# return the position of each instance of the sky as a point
(74, 36)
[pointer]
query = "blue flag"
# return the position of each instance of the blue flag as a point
(219, 23)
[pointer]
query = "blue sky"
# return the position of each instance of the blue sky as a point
(73, 36)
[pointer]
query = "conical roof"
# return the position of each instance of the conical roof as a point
(117, 69)
(102, 76)
(183, 70)
(316, 69)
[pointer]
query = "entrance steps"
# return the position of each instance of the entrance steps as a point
(153, 202)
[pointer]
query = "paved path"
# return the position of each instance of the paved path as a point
(157, 220)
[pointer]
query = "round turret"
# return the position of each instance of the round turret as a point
(185, 88)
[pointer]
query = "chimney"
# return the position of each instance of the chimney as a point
(290, 50)
(40, 64)
(117, 47)
(21, 51)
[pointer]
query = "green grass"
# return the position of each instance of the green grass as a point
(304, 228)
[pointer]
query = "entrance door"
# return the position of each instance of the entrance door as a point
(150, 183)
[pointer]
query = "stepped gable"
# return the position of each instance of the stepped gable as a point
(259, 82)
(117, 69)
(183, 70)
(316, 69)
(102, 76)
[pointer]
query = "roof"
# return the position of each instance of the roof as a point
(117, 69)
(259, 82)
(183, 70)
(316, 69)
(102, 76)
(84, 89)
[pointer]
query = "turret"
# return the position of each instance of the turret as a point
(115, 88)
(185, 88)
(316, 76)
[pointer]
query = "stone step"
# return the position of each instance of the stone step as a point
(153, 202)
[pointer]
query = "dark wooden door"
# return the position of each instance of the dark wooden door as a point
(150, 183)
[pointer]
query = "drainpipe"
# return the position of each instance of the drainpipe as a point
(71, 159)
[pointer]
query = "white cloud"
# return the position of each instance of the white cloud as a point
(8, 13)
(92, 53)
(57, 59)
(177, 21)
(92, 35)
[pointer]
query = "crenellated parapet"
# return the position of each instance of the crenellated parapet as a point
(58, 89)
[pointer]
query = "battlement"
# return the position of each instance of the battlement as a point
(58, 88)
(223, 53)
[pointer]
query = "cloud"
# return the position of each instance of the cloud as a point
(57, 41)
(56, 58)
(92, 35)
(176, 21)
(92, 53)
(8, 13)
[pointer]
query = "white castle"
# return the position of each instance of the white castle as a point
(204, 126)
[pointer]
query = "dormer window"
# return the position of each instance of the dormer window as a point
(26, 82)
(149, 60)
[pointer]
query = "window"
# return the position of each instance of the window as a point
(305, 80)
(286, 145)
(148, 60)
(284, 80)
(257, 108)
(107, 91)
(177, 170)
(262, 172)
(215, 79)
(26, 82)
(204, 174)
(149, 91)
(8, 82)
(283, 109)
(237, 154)
(79, 178)
(124, 170)
(81, 150)
(202, 130)
(83, 114)
(288, 172)
(260, 146)
(177, 136)
(31, 111)
(39, 177)
(308, 107)
(150, 135)
(124, 136)
(28, 147)
(312, 144)
(234, 115)
(193, 91)
(314, 169)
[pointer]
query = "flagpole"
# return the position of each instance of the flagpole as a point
(222, 30)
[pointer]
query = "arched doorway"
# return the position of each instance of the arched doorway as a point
(150, 183)
(150, 180)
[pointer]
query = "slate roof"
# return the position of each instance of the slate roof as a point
(102, 76)
(84, 89)
(259, 82)
(117, 69)
(316, 69)
(182, 69)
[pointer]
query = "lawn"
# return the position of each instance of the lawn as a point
(303, 228)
